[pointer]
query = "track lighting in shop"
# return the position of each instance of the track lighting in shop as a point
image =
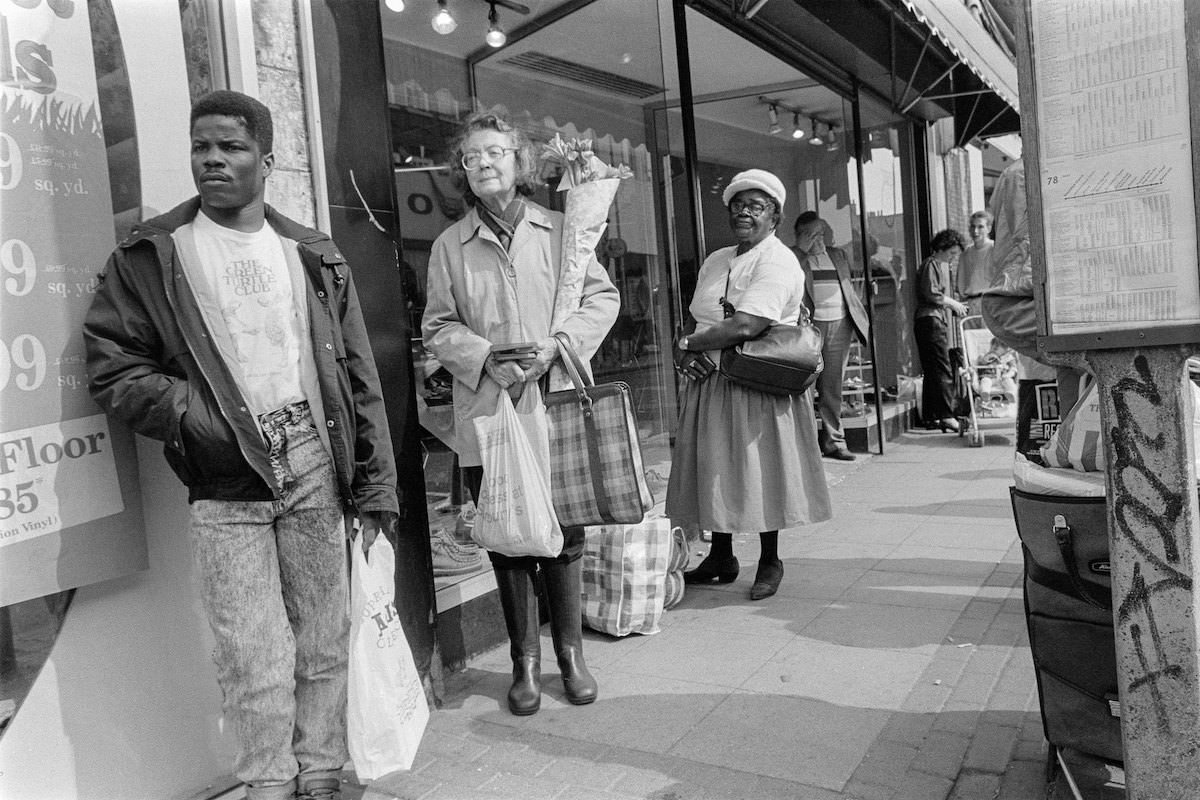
(773, 117)
(443, 22)
(816, 140)
(495, 35)
(797, 129)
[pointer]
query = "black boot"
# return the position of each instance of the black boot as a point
(563, 590)
(519, 602)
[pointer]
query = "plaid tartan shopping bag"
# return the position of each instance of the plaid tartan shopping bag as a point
(624, 576)
(596, 472)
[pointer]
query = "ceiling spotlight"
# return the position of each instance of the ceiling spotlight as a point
(773, 116)
(815, 141)
(495, 35)
(443, 22)
(797, 130)
(395, 5)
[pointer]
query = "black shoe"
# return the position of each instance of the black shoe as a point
(839, 454)
(722, 570)
(949, 424)
(767, 579)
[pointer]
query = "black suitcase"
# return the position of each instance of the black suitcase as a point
(1068, 608)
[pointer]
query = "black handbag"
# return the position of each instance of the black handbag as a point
(783, 359)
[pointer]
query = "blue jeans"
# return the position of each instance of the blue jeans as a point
(275, 588)
(835, 349)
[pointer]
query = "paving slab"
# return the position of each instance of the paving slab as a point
(893, 664)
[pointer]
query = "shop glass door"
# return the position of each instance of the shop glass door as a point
(887, 191)
(757, 111)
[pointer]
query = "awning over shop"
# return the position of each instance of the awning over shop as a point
(988, 104)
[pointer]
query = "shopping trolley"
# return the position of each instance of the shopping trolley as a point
(974, 340)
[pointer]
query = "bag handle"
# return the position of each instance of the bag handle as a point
(574, 367)
(1066, 548)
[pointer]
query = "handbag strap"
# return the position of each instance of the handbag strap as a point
(574, 367)
(806, 313)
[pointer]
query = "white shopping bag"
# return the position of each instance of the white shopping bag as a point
(515, 513)
(387, 710)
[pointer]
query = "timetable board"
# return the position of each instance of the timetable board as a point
(1107, 94)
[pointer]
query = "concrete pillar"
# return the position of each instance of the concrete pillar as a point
(1146, 409)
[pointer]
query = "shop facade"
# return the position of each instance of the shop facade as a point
(868, 110)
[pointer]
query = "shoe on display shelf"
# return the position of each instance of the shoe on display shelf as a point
(451, 557)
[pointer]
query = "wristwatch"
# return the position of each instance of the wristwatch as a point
(683, 342)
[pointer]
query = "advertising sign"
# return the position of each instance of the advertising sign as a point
(69, 509)
(1114, 151)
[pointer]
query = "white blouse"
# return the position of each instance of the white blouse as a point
(766, 281)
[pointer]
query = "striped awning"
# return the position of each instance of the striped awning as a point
(958, 30)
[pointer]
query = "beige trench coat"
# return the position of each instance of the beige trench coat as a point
(479, 295)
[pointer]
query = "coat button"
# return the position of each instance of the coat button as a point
(329, 423)
(320, 293)
(328, 346)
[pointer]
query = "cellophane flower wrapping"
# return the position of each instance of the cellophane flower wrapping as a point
(590, 185)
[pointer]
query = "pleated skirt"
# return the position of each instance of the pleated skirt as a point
(746, 461)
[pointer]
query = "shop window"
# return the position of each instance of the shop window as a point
(28, 629)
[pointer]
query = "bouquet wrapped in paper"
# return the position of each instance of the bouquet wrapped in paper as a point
(590, 185)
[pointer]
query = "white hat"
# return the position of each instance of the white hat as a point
(755, 179)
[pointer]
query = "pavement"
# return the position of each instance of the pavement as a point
(893, 664)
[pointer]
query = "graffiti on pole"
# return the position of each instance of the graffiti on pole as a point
(1148, 514)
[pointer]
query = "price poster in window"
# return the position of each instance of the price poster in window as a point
(1115, 177)
(69, 508)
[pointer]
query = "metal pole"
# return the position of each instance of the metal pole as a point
(868, 279)
(691, 156)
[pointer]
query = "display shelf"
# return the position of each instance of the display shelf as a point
(858, 383)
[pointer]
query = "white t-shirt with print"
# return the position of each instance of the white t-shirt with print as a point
(244, 290)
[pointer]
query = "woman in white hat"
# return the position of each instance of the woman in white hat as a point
(744, 460)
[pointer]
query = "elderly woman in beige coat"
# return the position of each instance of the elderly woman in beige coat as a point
(493, 276)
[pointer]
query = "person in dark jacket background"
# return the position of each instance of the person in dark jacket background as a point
(931, 328)
(234, 335)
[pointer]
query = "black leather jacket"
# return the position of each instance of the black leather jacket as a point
(150, 360)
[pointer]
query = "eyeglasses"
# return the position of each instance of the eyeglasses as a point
(754, 208)
(473, 158)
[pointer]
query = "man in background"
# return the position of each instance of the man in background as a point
(838, 314)
(975, 270)
(234, 336)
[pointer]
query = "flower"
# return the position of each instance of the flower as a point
(579, 162)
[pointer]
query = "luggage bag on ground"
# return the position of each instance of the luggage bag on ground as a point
(1068, 608)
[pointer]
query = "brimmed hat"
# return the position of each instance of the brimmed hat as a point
(755, 179)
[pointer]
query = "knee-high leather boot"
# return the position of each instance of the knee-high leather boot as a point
(519, 602)
(563, 584)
